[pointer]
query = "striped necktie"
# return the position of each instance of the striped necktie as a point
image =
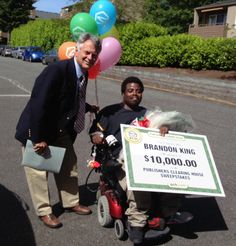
(80, 118)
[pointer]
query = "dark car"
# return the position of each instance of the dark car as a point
(32, 53)
(50, 57)
(18, 51)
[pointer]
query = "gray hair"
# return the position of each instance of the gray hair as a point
(88, 36)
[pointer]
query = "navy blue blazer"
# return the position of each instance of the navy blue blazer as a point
(51, 108)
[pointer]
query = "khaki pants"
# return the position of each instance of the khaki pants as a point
(140, 203)
(66, 181)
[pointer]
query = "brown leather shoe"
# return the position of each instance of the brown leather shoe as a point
(51, 221)
(80, 209)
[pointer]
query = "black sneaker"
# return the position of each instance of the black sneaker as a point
(151, 234)
(136, 234)
(179, 218)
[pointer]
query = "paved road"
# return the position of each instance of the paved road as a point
(214, 221)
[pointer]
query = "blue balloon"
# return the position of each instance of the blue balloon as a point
(104, 13)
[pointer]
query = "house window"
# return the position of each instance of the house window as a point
(217, 19)
(221, 18)
(212, 19)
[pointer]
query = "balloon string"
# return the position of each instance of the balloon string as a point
(92, 115)
(96, 91)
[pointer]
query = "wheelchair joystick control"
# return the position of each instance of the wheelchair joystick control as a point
(109, 162)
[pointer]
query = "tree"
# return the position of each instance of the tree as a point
(125, 9)
(129, 11)
(80, 6)
(14, 13)
(174, 14)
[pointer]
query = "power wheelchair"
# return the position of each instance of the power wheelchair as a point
(111, 199)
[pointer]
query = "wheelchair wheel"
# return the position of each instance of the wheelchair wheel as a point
(98, 194)
(119, 229)
(104, 217)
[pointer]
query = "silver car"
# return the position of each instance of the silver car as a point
(18, 51)
(7, 51)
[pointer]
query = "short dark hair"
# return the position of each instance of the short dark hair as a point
(131, 79)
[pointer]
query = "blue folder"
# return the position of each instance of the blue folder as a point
(50, 160)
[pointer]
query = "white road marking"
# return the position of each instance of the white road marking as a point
(16, 83)
(15, 95)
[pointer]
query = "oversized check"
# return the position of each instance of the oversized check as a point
(176, 163)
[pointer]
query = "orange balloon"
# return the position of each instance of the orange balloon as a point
(66, 50)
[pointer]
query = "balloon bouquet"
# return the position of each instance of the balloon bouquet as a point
(99, 21)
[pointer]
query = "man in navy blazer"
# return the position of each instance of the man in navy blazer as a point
(57, 102)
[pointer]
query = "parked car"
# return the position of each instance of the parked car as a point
(32, 53)
(2, 47)
(50, 57)
(7, 51)
(18, 51)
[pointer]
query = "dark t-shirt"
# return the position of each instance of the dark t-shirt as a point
(110, 119)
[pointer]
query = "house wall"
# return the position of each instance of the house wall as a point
(66, 15)
(67, 12)
(226, 29)
(4, 34)
(3, 37)
(231, 20)
(32, 14)
(196, 18)
(209, 31)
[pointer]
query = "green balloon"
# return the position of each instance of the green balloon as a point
(82, 22)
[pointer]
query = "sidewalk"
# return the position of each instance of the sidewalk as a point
(211, 85)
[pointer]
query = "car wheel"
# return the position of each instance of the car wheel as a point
(43, 61)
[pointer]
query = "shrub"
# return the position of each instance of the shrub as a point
(134, 32)
(44, 33)
(143, 44)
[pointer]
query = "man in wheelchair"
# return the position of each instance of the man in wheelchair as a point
(106, 135)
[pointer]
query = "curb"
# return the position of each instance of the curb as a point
(209, 89)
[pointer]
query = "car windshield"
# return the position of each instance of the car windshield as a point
(54, 52)
(36, 49)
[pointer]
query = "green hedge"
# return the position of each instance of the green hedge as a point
(143, 44)
(182, 50)
(133, 32)
(44, 33)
